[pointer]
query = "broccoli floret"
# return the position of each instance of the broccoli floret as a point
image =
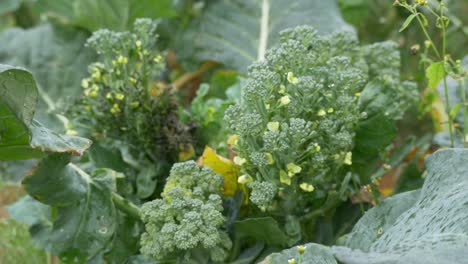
(188, 218)
(262, 193)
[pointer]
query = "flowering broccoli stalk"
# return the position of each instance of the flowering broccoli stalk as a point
(123, 99)
(300, 110)
(188, 219)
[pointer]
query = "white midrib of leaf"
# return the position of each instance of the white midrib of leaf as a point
(263, 41)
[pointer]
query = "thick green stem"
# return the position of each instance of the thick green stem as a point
(126, 206)
(447, 102)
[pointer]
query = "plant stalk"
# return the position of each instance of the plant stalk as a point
(126, 206)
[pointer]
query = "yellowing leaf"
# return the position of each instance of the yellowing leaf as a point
(223, 167)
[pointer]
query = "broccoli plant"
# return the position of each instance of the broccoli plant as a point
(187, 222)
(302, 110)
(124, 98)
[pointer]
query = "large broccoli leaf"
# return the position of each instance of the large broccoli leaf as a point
(426, 226)
(238, 32)
(111, 14)
(21, 137)
(433, 230)
(54, 54)
(85, 218)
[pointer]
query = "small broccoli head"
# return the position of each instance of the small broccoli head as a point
(262, 193)
(188, 217)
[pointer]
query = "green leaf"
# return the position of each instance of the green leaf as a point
(146, 181)
(372, 136)
(454, 111)
(238, 32)
(9, 6)
(434, 74)
(427, 226)
(313, 254)
(86, 217)
(408, 22)
(110, 14)
(20, 136)
(55, 55)
(264, 229)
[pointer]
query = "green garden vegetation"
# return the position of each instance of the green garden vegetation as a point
(234, 131)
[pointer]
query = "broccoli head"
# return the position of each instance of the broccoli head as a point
(188, 218)
(302, 105)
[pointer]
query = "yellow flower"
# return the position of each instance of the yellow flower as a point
(243, 179)
(348, 158)
(84, 83)
(291, 261)
(330, 110)
(239, 161)
(233, 140)
(306, 187)
(119, 96)
(321, 112)
(292, 79)
(271, 161)
(284, 178)
(285, 100)
(122, 60)
(282, 89)
(273, 126)
(293, 169)
(301, 249)
(115, 109)
(158, 59)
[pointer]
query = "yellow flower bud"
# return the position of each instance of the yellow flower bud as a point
(84, 83)
(306, 187)
(291, 261)
(284, 178)
(271, 161)
(292, 79)
(330, 110)
(282, 89)
(233, 140)
(119, 96)
(285, 100)
(239, 161)
(321, 112)
(348, 158)
(301, 249)
(243, 179)
(293, 169)
(273, 126)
